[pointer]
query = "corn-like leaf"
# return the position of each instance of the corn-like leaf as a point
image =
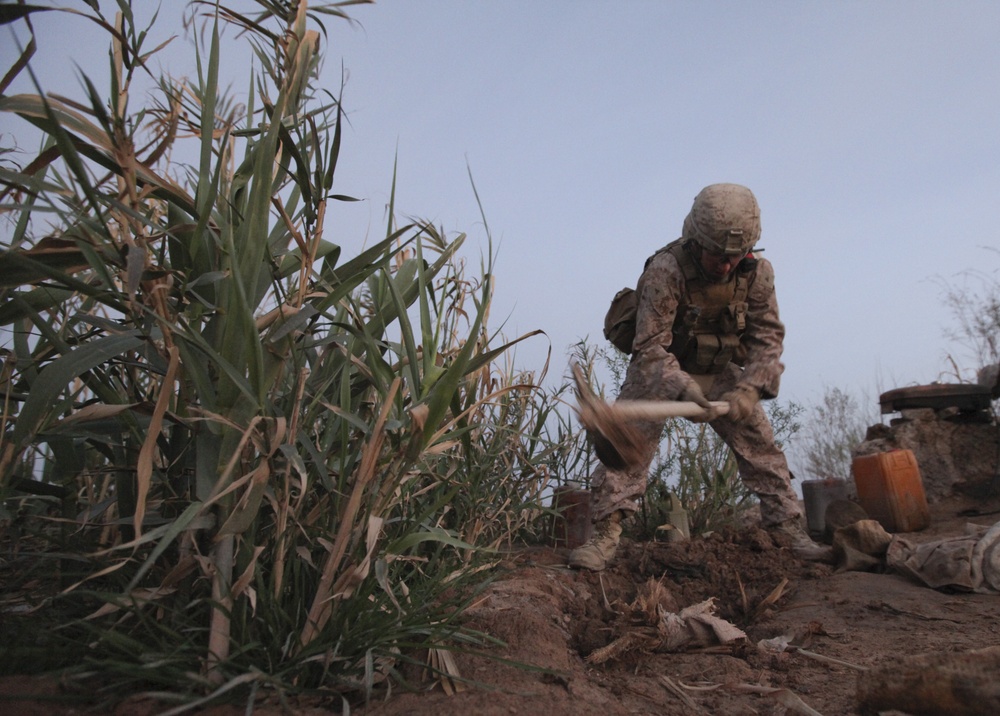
(144, 463)
(245, 512)
(54, 379)
(437, 535)
(39, 299)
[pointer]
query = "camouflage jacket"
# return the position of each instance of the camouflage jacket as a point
(662, 291)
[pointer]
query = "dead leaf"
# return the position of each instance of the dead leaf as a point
(446, 670)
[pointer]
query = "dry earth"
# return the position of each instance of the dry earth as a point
(554, 618)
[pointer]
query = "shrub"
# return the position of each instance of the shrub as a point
(835, 427)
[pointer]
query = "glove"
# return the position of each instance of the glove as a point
(742, 400)
(693, 394)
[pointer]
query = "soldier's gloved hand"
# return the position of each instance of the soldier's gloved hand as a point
(742, 400)
(693, 394)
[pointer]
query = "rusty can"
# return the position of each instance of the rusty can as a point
(817, 495)
(572, 525)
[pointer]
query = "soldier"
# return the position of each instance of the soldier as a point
(707, 327)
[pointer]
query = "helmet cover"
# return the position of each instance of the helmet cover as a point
(725, 219)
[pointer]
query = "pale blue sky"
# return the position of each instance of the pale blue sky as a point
(868, 130)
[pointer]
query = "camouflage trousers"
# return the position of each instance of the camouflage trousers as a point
(762, 465)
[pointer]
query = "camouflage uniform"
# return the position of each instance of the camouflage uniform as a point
(655, 374)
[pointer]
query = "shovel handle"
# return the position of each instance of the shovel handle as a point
(661, 410)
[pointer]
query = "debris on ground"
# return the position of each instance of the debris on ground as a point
(812, 632)
(957, 684)
(818, 640)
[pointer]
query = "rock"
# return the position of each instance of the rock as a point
(841, 513)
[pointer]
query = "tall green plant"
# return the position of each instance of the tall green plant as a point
(274, 459)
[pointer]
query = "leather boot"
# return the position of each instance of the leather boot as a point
(599, 550)
(801, 544)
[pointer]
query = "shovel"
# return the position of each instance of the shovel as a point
(617, 443)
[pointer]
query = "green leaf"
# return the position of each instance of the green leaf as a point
(55, 377)
(167, 534)
(38, 299)
(438, 535)
(291, 261)
(11, 13)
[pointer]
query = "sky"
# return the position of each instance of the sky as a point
(868, 131)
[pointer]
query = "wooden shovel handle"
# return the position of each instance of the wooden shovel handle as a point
(661, 410)
(591, 407)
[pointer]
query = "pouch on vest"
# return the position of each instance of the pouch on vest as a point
(619, 321)
(714, 352)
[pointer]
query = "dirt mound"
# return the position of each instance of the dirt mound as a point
(839, 624)
(811, 634)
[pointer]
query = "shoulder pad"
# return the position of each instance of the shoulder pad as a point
(660, 251)
(765, 276)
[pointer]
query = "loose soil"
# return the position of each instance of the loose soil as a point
(551, 619)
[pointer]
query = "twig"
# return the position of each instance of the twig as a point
(677, 691)
(828, 659)
(743, 595)
(786, 697)
(604, 594)
(904, 613)
(704, 687)
(771, 598)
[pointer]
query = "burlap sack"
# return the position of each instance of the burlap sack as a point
(969, 562)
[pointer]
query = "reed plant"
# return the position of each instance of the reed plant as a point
(240, 458)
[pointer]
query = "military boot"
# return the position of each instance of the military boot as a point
(801, 544)
(595, 553)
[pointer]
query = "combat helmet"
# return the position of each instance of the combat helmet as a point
(725, 219)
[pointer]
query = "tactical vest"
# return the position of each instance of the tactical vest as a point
(711, 317)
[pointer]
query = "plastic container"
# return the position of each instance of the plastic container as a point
(572, 524)
(890, 490)
(817, 495)
(677, 528)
